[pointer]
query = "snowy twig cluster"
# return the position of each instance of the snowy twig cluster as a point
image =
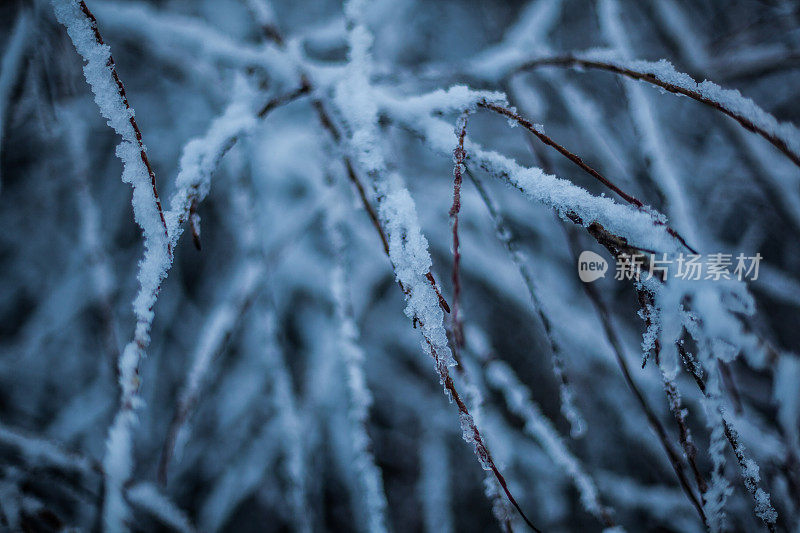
(451, 160)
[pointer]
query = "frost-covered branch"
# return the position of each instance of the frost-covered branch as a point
(784, 136)
(279, 378)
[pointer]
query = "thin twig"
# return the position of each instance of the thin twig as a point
(605, 319)
(509, 113)
(615, 244)
(459, 155)
(647, 303)
(121, 89)
(505, 235)
(528, 125)
(480, 448)
(649, 77)
(333, 131)
(456, 333)
(695, 368)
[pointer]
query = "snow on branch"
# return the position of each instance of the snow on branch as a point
(101, 74)
(359, 396)
(641, 229)
(37, 450)
(408, 248)
(281, 378)
(169, 34)
(783, 135)
(501, 377)
(148, 497)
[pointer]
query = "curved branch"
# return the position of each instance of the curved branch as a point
(121, 89)
(509, 113)
(513, 115)
(681, 84)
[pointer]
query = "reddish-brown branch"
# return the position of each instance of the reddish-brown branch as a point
(696, 369)
(528, 125)
(460, 155)
(480, 448)
(456, 337)
(328, 125)
(442, 301)
(616, 245)
(646, 301)
(134, 125)
(562, 150)
(655, 424)
(649, 77)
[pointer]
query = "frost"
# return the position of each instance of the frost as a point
(359, 396)
(288, 364)
(434, 485)
(167, 34)
(148, 497)
(538, 426)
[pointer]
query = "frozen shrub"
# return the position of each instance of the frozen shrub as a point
(334, 213)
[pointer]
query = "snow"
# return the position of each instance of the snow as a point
(731, 100)
(523, 38)
(664, 172)
(408, 248)
(147, 496)
(718, 490)
(623, 220)
(118, 466)
(281, 363)
(37, 450)
(693, 49)
(360, 398)
(202, 155)
(109, 97)
(114, 108)
(538, 426)
(456, 99)
(168, 34)
(434, 485)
